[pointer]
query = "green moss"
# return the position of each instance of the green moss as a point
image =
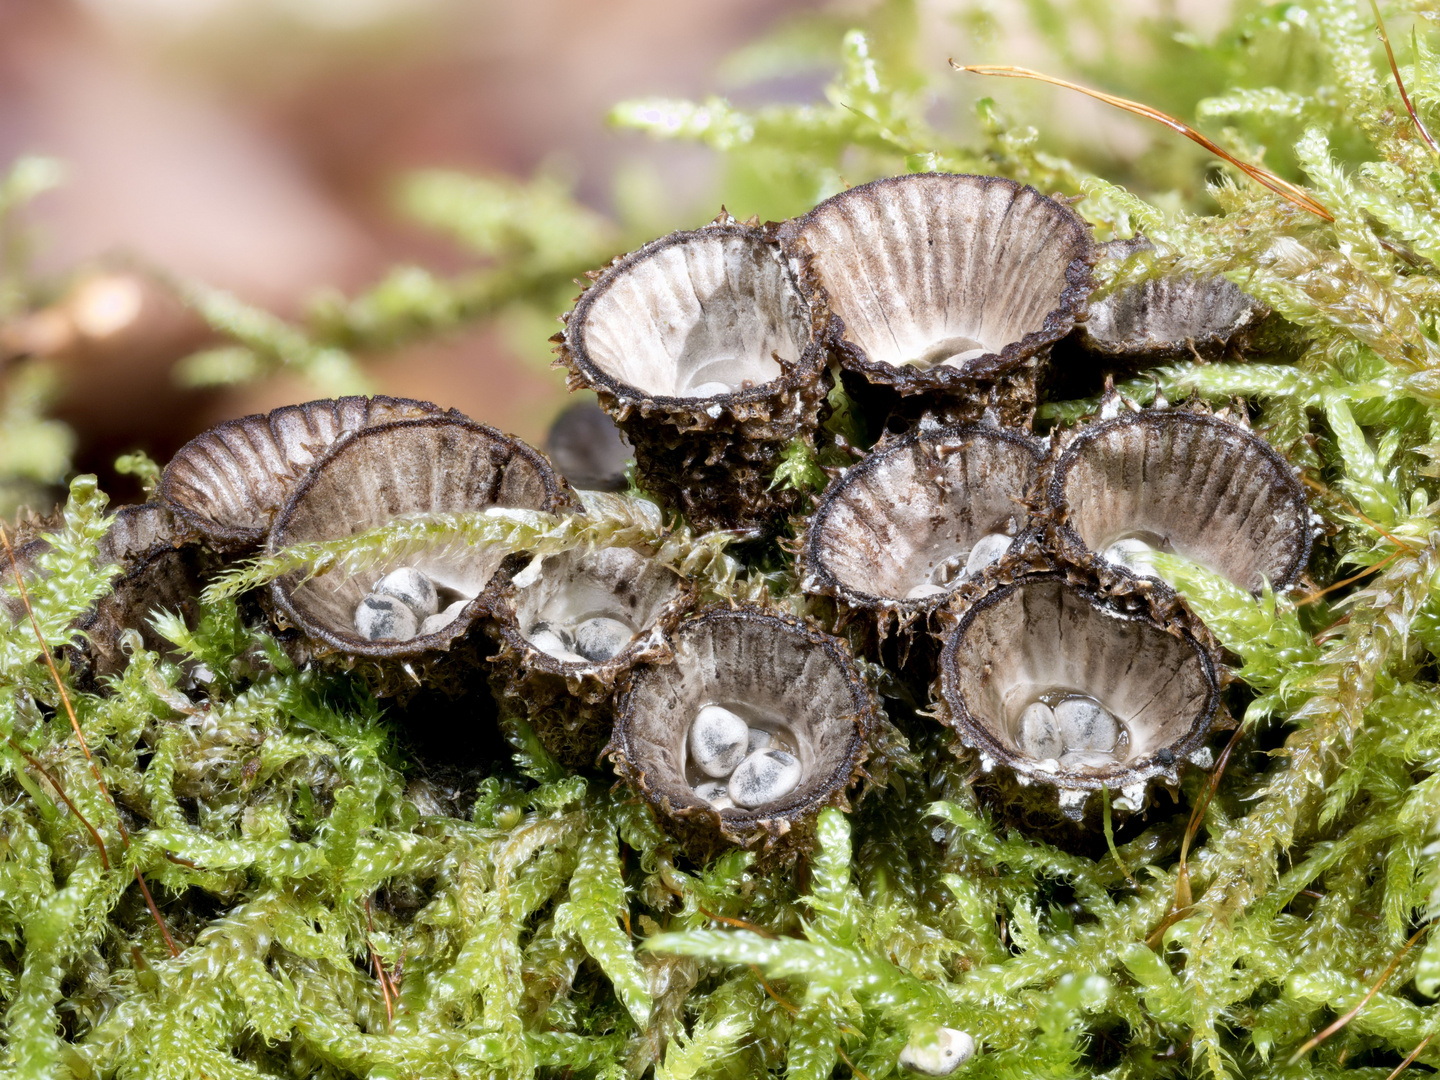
(342, 905)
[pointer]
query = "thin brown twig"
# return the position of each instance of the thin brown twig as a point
(846, 1058)
(1409, 1058)
(1352, 508)
(1197, 815)
(738, 923)
(791, 1009)
(1316, 1040)
(155, 914)
(1312, 597)
(59, 682)
(386, 989)
(1399, 82)
(1280, 186)
(60, 790)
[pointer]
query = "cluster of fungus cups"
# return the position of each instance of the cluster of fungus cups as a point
(1024, 568)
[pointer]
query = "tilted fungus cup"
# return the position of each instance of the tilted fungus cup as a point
(163, 569)
(948, 286)
(1188, 482)
(1167, 317)
(569, 698)
(703, 348)
(228, 483)
(780, 674)
(906, 529)
(1042, 635)
(440, 464)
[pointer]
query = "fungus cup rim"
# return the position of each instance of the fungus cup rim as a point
(1289, 482)
(794, 375)
(230, 536)
(972, 732)
(791, 810)
(502, 608)
(1210, 344)
(1070, 307)
(557, 498)
(821, 579)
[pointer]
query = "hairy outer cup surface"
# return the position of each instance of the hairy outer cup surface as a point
(703, 348)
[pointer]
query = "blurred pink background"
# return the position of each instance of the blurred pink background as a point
(255, 145)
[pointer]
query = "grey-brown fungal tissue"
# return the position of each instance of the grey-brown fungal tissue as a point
(704, 349)
(945, 286)
(758, 722)
(1066, 691)
(570, 628)
(1019, 572)
(437, 464)
(920, 517)
(1186, 482)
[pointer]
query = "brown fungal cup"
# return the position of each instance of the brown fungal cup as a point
(1044, 639)
(949, 286)
(228, 483)
(439, 464)
(703, 348)
(897, 532)
(562, 677)
(781, 675)
(1183, 481)
(1178, 316)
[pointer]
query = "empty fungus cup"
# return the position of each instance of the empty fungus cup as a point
(949, 286)
(703, 348)
(1041, 643)
(228, 483)
(570, 626)
(436, 465)
(920, 518)
(796, 686)
(1166, 317)
(1186, 482)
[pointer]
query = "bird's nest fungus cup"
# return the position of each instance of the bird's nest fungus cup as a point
(1168, 317)
(920, 519)
(162, 569)
(758, 723)
(946, 288)
(1187, 482)
(419, 605)
(703, 348)
(1061, 692)
(570, 626)
(228, 483)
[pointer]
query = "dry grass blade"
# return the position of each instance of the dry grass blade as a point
(1409, 1058)
(1317, 1039)
(1399, 82)
(60, 790)
(1282, 187)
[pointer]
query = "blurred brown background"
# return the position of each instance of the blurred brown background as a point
(255, 145)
